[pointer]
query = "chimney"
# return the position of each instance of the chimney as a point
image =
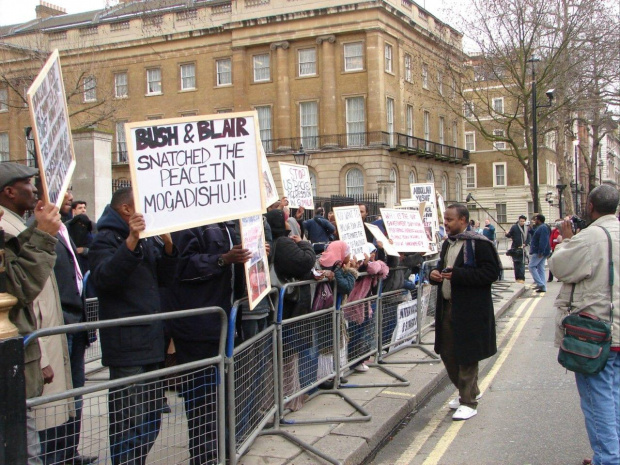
(46, 10)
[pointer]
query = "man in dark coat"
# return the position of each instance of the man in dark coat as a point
(318, 230)
(127, 272)
(518, 233)
(464, 318)
(540, 249)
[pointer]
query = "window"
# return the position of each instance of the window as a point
(121, 143)
(121, 88)
(552, 174)
(499, 174)
(261, 68)
(444, 186)
(459, 189)
(408, 69)
(224, 110)
(188, 113)
(453, 88)
(499, 145)
(430, 176)
(471, 177)
(410, 120)
(440, 83)
(354, 182)
(153, 81)
(394, 177)
(4, 100)
(356, 122)
(388, 58)
(427, 130)
(468, 109)
(550, 141)
(187, 15)
(4, 146)
(502, 217)
(264, 123)
(470, 141)
(353, 56)
(309, 122)
(454, 134)
(498, 105)
(307, 62)
(413, 179)
(390, 120)
(90, 89)
(313, 183)
(424, 75)
(442, 127)
(224, 74)
(119, 26)
(188, 76)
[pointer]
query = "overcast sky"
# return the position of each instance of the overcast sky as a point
(12, 12)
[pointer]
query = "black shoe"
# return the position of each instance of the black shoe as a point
(540, 289)
(82, 460)
(166, 408)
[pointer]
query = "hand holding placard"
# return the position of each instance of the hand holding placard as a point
(136, 226)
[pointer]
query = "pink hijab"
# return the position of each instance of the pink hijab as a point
(336, 251)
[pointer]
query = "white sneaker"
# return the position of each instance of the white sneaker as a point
(464, 413)
(361, 368)
(455, 403)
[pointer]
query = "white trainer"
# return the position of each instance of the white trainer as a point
(361, 368)
(455, 403)
(464, 413)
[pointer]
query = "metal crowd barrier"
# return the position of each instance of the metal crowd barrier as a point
(123, 420)
(93, 351)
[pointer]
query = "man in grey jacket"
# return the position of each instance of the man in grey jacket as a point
(581, 263)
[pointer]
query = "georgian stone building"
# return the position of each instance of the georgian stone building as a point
(360, 84)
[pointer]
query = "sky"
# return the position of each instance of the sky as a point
(12, 14)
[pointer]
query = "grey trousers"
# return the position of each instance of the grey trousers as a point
(32, 440)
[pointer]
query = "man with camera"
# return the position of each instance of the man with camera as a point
(581, 263)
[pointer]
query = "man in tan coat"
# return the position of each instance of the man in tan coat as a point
(17, 196)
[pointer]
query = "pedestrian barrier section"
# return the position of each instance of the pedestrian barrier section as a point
(127, 419)
(358, 330)
(309, 349)
(93, 351)
(253, 405)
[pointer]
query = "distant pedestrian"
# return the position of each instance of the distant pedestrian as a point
(554, 240)
(518, 234)
(539, 251)
(489, 231)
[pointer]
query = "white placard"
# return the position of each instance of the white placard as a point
(406, 229)
(380, 237)
(52, 130)
(188, 172)
(257, 268)
(423, 192)
(296, 185)
(271, 192)
(406, 323)
(351, 229)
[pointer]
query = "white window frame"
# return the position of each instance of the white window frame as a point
(458, 187)
(504, 215)
(188, 82)
(430, 175)
(389, 58)
(471, 168)
(504, 175)
(442, 130)
(5, 147)
(498, 105)
(468, 109)
(306, 64)
(260, 63)
(309, 124)
(90, 89)
(473, 135)
(121, 90)
(355, 138)
(223, 77)
(266, 135)
(409, 120)
(499, 145)
(4, 100)
(389, 111)
(351, 61)
(313, 182)
(552, 173)
(153, 82)
(413, 177)
(408, 68)
(357, 187)
(424, 76)
(455, 134)
(121, 143)
(427, 125)
(440, 82)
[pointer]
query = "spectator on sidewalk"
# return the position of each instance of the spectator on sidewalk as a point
(540, 249)
(518, 234)
(81, 231)
(127, 272)
(464, 317)
(554, 239)
(489, 231)
(319, 230)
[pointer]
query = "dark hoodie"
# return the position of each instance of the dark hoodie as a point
(127, 284)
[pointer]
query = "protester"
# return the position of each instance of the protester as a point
(81, 232)
(292, 222)
(364, 214)
(319, 230)
(299, 217)
(554, 239)
(518, 234)
(331, 217)
(126, 272)
(539, 251)
(464, 315)
(581, 263)
(78, 207)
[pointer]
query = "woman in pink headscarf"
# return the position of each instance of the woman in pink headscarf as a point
(336, 261)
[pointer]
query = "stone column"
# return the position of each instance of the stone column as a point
(328, 116)
(240, 95)
(387, 192)
(283, 100)
(375, 64)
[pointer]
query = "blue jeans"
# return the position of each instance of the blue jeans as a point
(600, 403)
(537, 268)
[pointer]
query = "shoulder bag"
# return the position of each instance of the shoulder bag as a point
(587, 339)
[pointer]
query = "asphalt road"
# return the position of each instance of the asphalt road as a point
(529, 413)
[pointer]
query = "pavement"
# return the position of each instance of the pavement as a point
(353, 442)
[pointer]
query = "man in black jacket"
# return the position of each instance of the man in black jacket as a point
(464, 318)
(127, 272)
(519, 234)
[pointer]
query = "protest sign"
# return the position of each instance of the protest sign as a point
(380, 237)
(351, 229)
(296, 185)
(257, 268)
(425, 299)
(424, 192)
(271, 192)
(406, 229)
(52, 131)
(188, 172)
(406, 323)
(441, 209)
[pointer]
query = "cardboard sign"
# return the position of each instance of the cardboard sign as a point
(406, 229)
(188, 172)
(52, 131)
(257, 268)
(351, 229)
(380, 237)
(406, 323)
(424, 192)
(296, 185)
(271, 192)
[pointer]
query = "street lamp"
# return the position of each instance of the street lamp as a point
(536, 106)
(560, 188)
(301, 157)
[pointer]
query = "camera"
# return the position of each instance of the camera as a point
(578, 223)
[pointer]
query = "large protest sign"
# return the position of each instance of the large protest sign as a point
(188, 172)
(406, 323)
(296, 185)
(380, 237)
(271, 192)
(406, 229)
(425, 192)
(52, 130)
(351, 229)
(257, 268)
